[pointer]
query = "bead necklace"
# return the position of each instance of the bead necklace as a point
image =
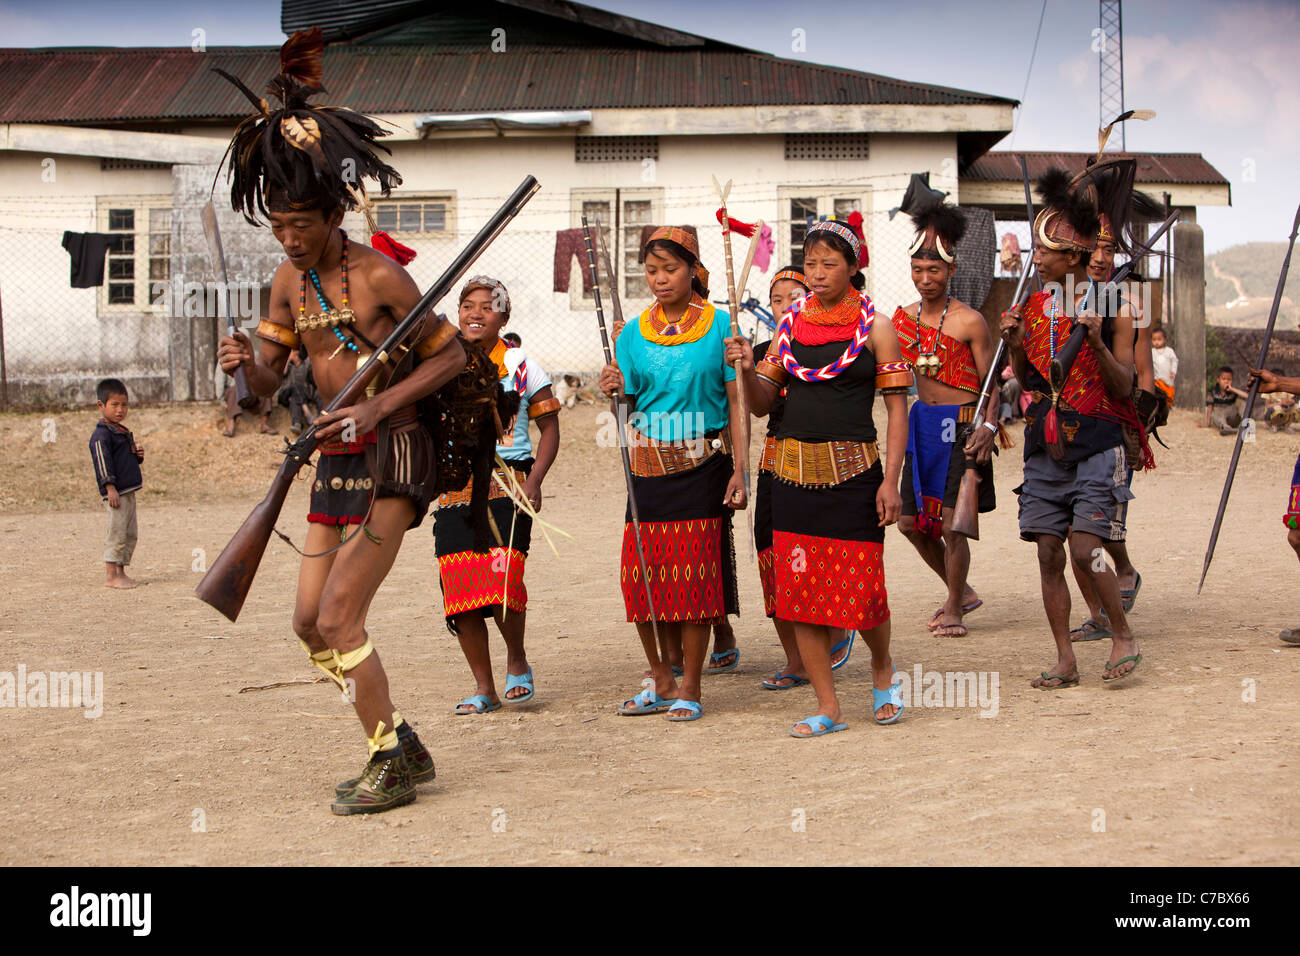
(329, 317)
(927, 363)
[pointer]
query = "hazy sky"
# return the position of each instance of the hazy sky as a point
(1221, 75)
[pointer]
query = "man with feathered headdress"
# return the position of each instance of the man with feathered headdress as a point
(300, 165)
(1076, 459)
(950, 349)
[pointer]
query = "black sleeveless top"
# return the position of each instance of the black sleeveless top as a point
(837, 410)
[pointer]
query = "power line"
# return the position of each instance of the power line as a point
(1029, 72)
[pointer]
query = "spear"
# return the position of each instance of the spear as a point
(740, 409)
(620, 403)
(1247, 423)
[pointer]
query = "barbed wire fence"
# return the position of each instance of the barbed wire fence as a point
(153, 321)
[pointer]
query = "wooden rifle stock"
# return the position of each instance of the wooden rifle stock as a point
(225, 586)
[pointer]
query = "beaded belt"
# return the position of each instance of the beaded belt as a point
(654, 459)
(450, 499)
(768, 460)
(822, 463)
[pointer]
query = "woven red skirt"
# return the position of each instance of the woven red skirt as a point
(828, 553)
(472, 581)
(690, 555)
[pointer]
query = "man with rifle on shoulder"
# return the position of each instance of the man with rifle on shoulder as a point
(1076, 459)
(337, 298)
(950, 349)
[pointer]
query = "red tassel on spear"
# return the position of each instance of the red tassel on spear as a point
(380, 241)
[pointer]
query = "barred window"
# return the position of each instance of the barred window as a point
(826, 146)
(121, 258)
(615, 149)
(432, 214)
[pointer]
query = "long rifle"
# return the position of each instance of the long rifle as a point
(226, 584)
(1068, 352)
(965, 512)
(243, 394)
(1247, 422)
(620, 409)
(740, 408)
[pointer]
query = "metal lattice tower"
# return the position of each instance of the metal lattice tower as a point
(1110, 47)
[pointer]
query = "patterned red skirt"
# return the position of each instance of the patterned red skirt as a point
(472, 581)
(686, 534)
(763, 540)
(828, 553)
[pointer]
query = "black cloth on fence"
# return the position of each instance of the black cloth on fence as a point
(87, 250)
(977, 252)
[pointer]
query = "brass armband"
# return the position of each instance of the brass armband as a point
(543, 408)
(434, 342)
(772, 373)
(279, 334)
(893, 377)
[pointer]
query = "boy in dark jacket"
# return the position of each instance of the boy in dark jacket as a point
(117, 459)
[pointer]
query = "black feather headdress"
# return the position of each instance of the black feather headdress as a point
(1068, 220)
(939, 227)
(300, 155)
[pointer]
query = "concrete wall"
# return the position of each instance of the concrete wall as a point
(59, 340)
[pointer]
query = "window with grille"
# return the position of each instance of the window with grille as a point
(637, 208)
(424, 216)
(160, 245)
(615, 149)
(805, 204)
(139, 259)
(121, 258)
(826, 146)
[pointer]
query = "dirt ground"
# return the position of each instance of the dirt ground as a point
(1193, 760)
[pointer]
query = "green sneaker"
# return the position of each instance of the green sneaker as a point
(418, 759)
(384, 785)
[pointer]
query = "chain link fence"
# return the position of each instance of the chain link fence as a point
(152, 322)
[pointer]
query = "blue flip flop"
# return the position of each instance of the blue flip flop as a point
(480, 704)
(879, 698)
(820, 724)
(519, 680)
(646, 702)
(692, 705)
(836, 649)
(773, 682)
(714, 658)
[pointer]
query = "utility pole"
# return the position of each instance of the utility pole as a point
(1110, 47)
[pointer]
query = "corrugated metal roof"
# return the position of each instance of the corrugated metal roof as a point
(106, 85)
(1180, 168)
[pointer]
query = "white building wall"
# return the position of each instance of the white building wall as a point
(61, 336)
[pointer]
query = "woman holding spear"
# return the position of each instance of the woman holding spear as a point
(686, 481)
(831, 500)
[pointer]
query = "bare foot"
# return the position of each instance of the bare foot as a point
(121, 582)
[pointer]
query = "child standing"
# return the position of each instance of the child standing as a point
(1164, 362)
(117, 459)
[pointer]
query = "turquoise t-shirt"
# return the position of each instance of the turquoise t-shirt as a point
(680, 390)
